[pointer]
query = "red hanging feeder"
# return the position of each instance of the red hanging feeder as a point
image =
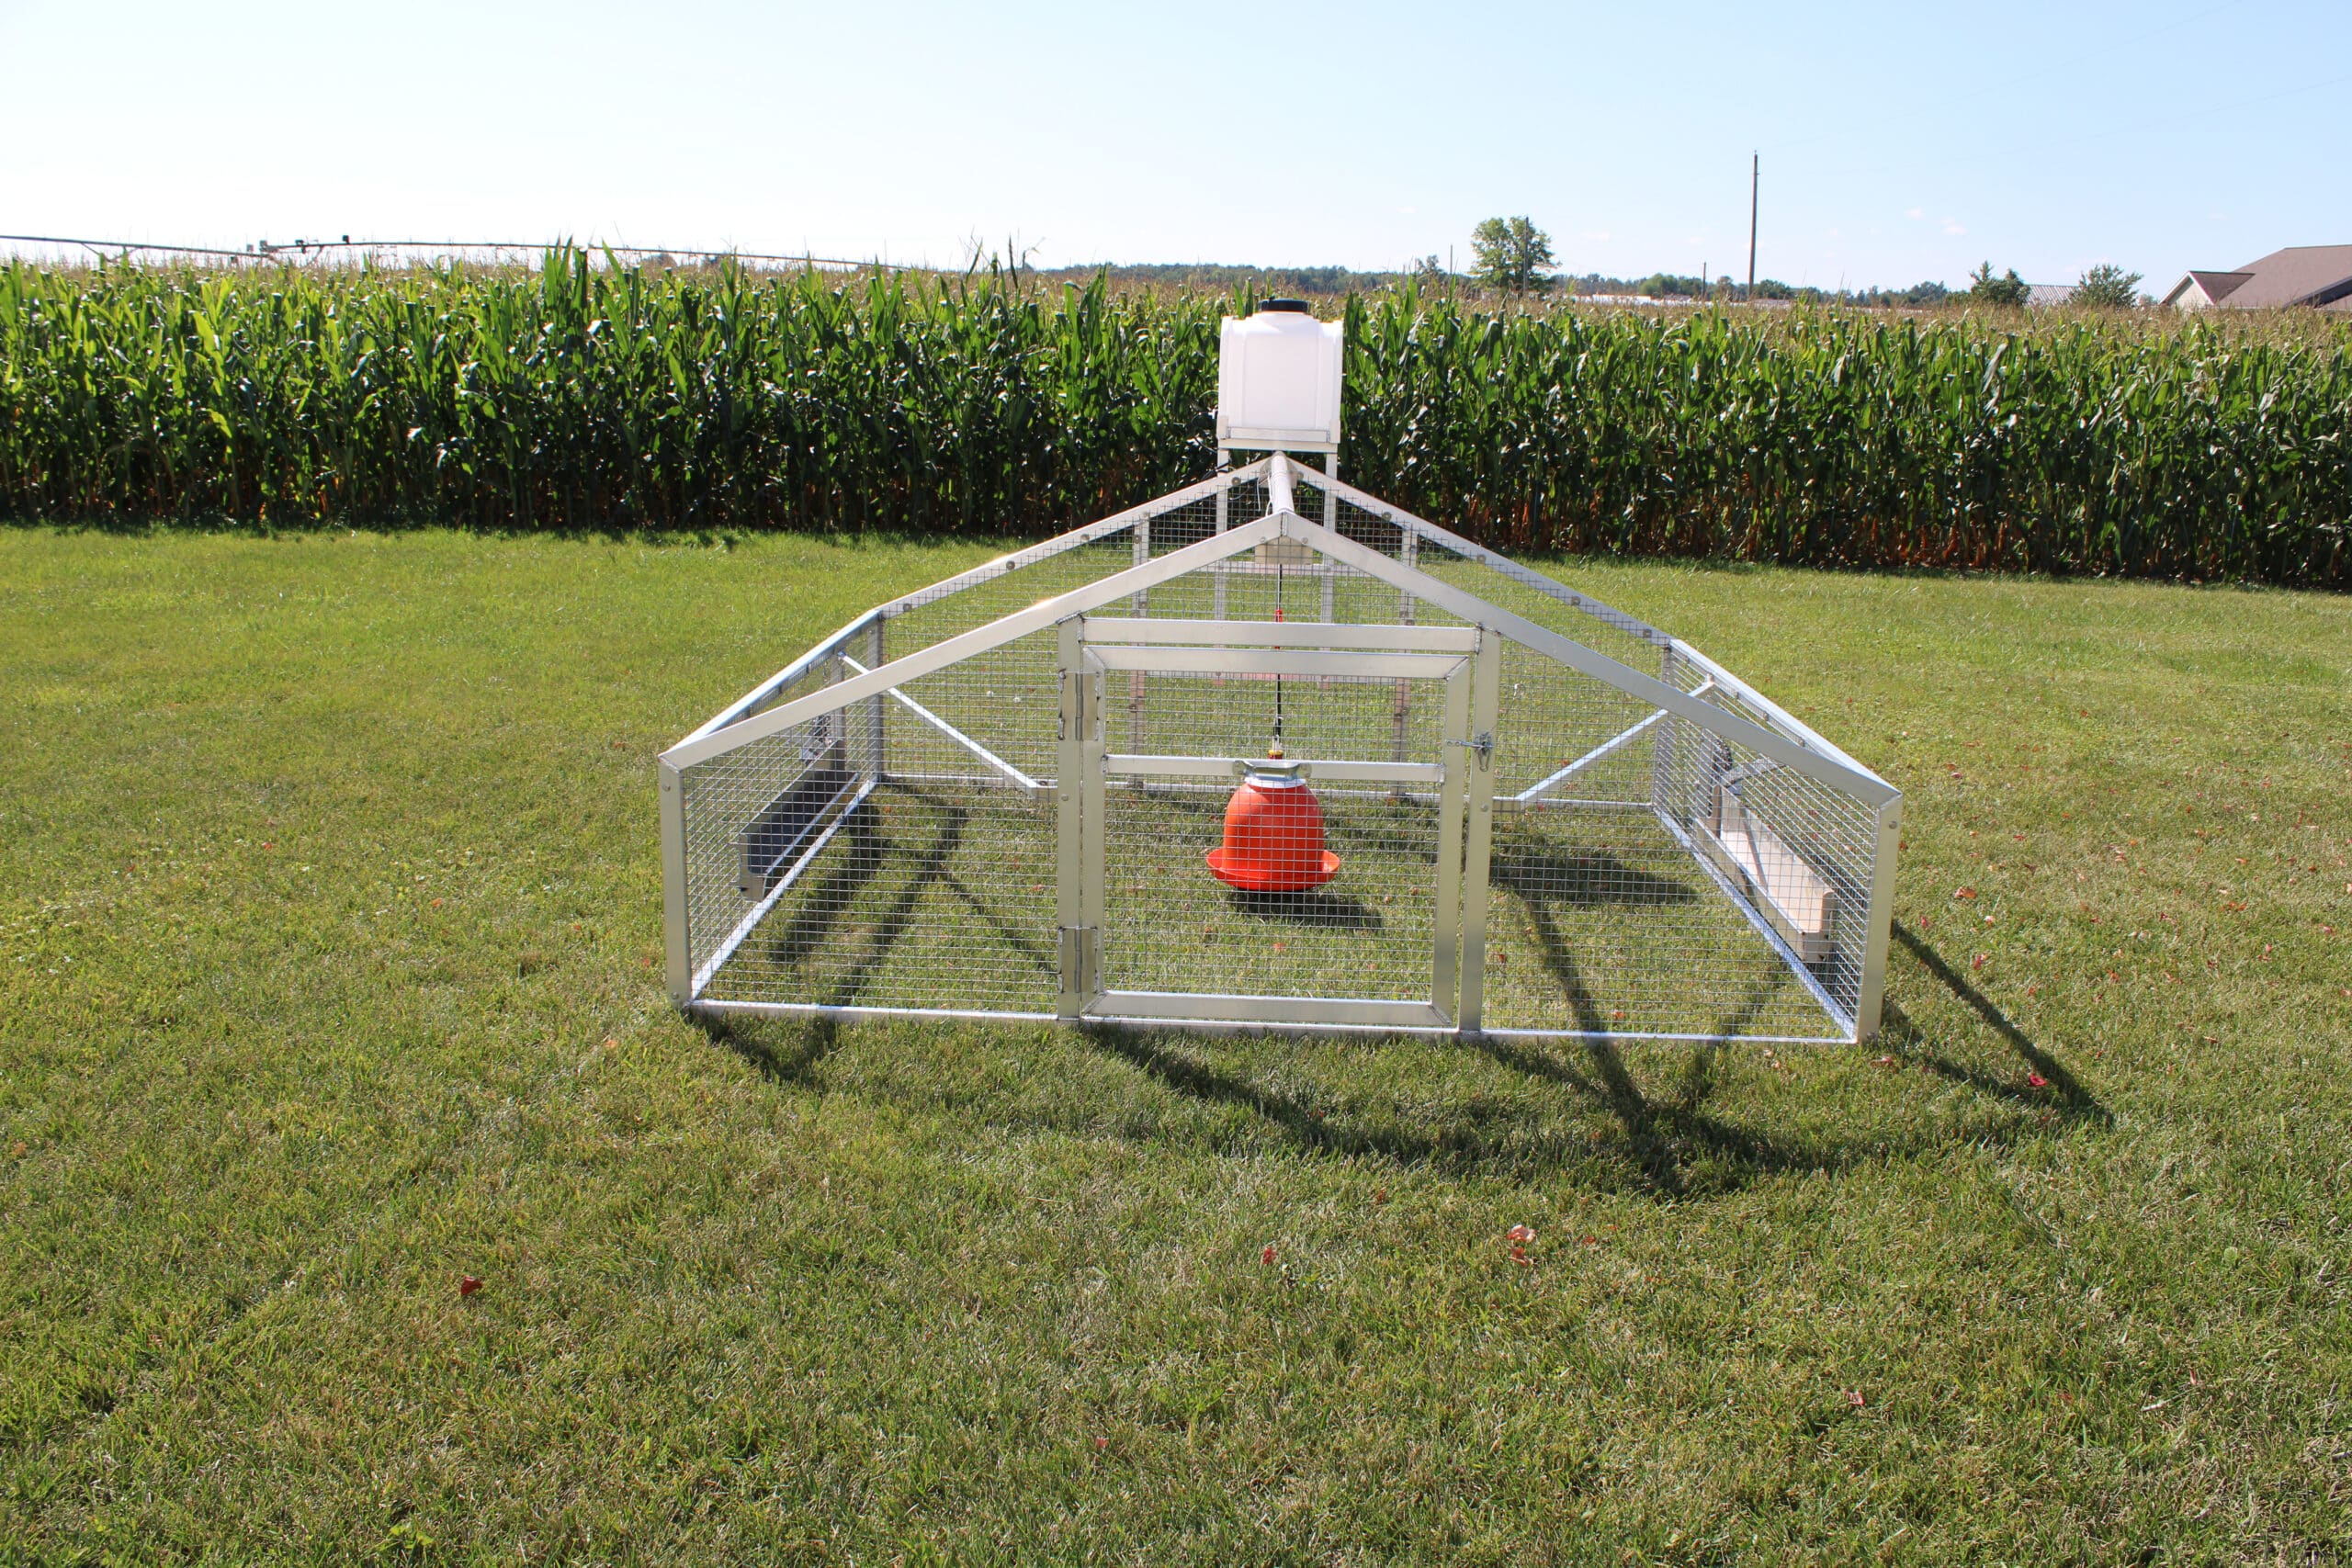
(1273, 834)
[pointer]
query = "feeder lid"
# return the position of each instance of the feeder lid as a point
(1289, 306)
(1272, 773)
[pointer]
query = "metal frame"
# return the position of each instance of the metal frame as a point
(1715, 701)
(1094, 647)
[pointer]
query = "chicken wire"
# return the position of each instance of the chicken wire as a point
(1647, 875)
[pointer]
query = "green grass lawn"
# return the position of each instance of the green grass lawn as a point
(330, 909)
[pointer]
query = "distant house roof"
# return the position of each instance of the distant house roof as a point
(2041, 294)
(2299, 275)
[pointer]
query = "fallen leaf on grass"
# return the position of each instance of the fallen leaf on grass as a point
(468, 1285)
(1854, 1398)
(1267, 1257)
(1519, 1234)
(2037, 1080)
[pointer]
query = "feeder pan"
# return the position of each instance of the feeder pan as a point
(1274, 834)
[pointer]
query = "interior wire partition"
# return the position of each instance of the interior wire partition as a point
(1652, 872)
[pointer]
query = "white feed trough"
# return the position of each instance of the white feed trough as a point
(1043, 789)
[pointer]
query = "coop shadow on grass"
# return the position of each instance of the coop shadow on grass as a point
(1905, 1039)
(1667, 1142)
(791, 1050)
(1584, 879)
(1318, 907)
(1668, 1145)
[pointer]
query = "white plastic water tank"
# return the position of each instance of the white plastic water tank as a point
(1278, 379)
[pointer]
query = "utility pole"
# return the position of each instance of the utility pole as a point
(1754, 186)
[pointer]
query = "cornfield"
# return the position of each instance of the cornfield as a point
(583, 396)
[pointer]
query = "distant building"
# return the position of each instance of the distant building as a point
(2317, 275)
(2039, 295)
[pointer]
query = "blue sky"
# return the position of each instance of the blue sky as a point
(1898, 143)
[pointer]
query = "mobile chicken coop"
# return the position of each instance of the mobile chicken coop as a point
(1269, 751)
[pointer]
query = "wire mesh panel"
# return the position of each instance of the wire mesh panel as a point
(1799, 852)
(874, 858)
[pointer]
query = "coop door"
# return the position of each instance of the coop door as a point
(1172, 905)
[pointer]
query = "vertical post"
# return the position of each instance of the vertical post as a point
(1217, 573)
(1410, 549)
(1330, 521)
(1663, 741)
(678, 958)
(877, 715)
(1479, 845)
(1067, 823)
(1141, 606)
(1093, 828)
(1882, 918)
(1454, 757)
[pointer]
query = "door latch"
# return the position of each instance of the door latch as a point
(1482, 743)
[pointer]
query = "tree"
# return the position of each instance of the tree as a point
(2107, 286)
(1429, 272)
(1513, 256)
(1986, 289)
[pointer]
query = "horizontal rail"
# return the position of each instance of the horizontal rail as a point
(957, 735)
(1230, 1026)
(1303, 662)
(1264, 1010)
(827, 1010)
(1281, 634)
(1148, 766)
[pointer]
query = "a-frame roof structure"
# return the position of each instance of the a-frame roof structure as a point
(1804, 751)
(1777, 816)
